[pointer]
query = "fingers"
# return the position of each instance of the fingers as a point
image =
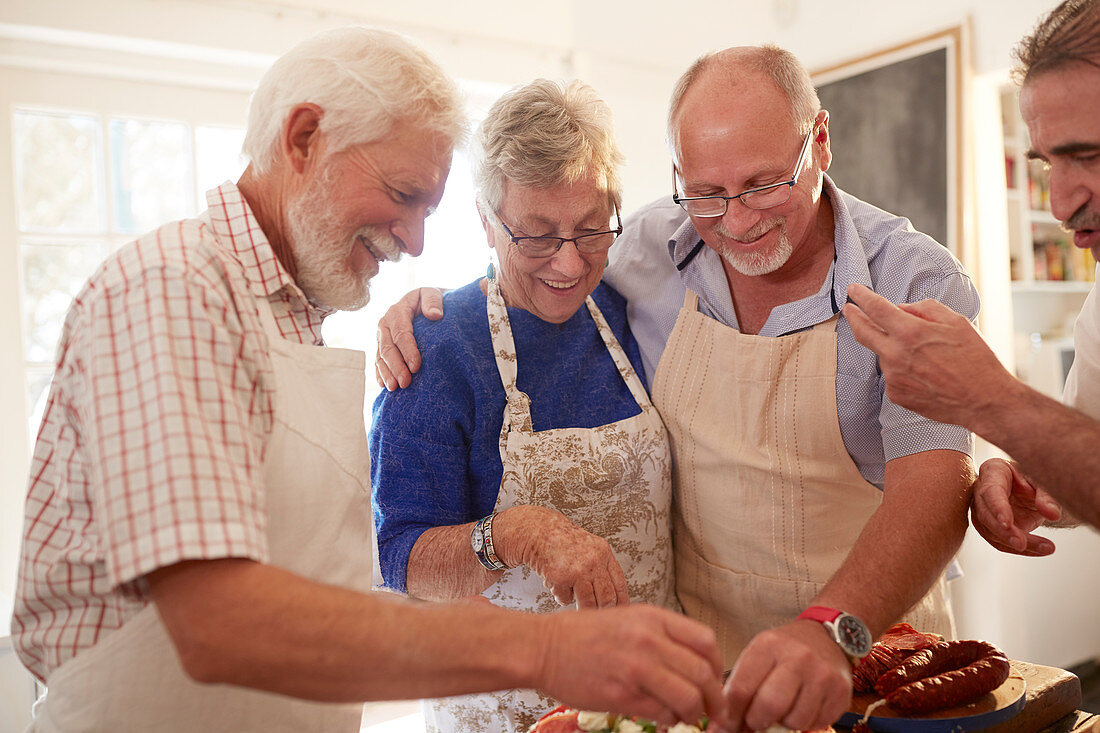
(382, 375)
(866, 331)
(1047, 506)
(1032, 546)
(431, 303)
(1007, 506)
(793, 674)
(744, 680)
(626, 661)
(585, 593)
(691, 687)
(398, 357)
(879, 311)
(618, 580)
(931, 310)
(1023, 490)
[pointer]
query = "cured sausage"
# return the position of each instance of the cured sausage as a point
(895, 646)
(946, 674)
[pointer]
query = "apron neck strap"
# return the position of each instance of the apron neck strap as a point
(504, 346)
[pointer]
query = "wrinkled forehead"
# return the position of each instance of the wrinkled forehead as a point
(584, 198)
(1062, 105)
(734, 115)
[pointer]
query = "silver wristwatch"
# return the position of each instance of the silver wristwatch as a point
(481, 540)
(849, 632)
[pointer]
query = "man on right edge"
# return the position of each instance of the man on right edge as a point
(799, 490)
(937, 364)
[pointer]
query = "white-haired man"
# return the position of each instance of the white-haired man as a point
(197, 544)
(804, 500)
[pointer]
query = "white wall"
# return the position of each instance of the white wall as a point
(631, 52)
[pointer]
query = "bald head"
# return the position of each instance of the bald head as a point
(734, 71)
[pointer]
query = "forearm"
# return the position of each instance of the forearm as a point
(258, 626)
(907, 542)
(442, 566)
(1054, 444)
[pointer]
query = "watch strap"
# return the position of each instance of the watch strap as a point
(821, 614)
(486, 555)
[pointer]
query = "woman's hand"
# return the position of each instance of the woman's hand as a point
(574, 564)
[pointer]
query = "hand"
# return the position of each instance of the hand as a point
(637, 660)
(794, 675)
(934, 361)
(574, 564)
(1006, 507)
(397, 358)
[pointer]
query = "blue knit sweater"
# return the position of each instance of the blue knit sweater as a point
(435, 459)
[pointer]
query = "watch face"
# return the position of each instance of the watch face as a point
(477, 540)
(853, 635)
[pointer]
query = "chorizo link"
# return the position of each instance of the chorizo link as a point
(936, 659)
(951, 688)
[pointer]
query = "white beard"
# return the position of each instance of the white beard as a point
(752, 264)
(322, 254)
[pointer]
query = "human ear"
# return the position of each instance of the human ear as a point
(301, 140)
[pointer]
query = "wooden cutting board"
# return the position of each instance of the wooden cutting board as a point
(1049, 694)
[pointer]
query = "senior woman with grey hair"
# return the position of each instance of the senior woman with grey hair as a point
(526, 462)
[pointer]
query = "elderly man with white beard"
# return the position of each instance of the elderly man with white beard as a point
(198, 509)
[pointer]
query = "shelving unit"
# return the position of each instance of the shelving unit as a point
(1050, 277)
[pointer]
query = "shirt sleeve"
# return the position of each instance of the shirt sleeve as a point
(173, 448)
(420, 445)
(905, 432)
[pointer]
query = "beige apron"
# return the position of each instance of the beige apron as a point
(612, 480)
(768, 502)
(317, 494)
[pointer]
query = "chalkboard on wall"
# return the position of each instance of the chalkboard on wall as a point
(893, 123)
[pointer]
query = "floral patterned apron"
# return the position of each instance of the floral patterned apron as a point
(612, 480)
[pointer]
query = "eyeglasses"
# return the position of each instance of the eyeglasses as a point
(594, 243)
(764, 197)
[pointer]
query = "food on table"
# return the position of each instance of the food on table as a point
(916, 673)
(898, 643)
(944, 675)
(566, 720)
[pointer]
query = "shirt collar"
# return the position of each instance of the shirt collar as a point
(701, 270)
(239, 232)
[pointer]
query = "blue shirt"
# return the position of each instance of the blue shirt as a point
(435, 456)
(873, 247)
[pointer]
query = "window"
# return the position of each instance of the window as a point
(84, 185)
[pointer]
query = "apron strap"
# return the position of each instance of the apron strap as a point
(622, 361)
(504, 346)
(691, 300)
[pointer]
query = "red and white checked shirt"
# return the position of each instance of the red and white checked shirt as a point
(151, 447)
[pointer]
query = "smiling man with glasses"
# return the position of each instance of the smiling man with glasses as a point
(804, 495)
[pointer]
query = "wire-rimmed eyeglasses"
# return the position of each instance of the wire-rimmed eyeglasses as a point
(764, 197)
(546, 246)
